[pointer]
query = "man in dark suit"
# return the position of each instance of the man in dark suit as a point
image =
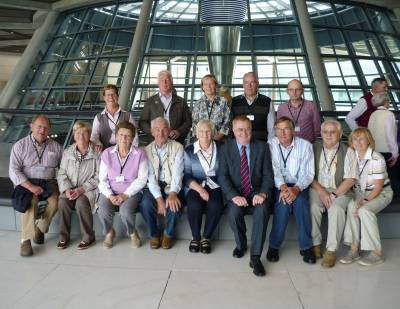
(246, 178)
(168, 105)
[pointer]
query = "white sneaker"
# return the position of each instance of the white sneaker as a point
(135, 239)
(350, 257)
(371, 259)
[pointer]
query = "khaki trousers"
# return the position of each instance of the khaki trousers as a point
(363, 230)
(336, 218)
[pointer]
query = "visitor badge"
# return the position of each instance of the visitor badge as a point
(40, 168)
(250, 117)
(120, 178)
(296, 129)
(211, 173)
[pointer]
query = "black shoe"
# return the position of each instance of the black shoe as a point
(273, 255)
(194, 246)
(238, 253)
(205, 246)
(308, 256)
(258, 268)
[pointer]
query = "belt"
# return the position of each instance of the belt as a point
(384, 186)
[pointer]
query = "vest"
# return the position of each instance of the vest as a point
(172, 149)
(105, 130)
(340, 161)
(130, 170)
(362, 121)
(378, 130)
(259, 108)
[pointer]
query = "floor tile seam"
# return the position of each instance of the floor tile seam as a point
(116, 267)
(165, 288)
(297, 291)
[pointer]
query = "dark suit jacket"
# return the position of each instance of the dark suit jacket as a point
(261, 173)
(180, 116)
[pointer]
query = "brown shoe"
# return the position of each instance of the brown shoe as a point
(109, 239)
(166, 242)
(83, 245)
(155, 242)
(39, 236)
(26, 248)
(317, 251)
(329, 259)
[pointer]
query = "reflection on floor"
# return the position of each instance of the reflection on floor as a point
(123, 277)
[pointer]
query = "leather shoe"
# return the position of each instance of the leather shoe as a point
(308, 256)
(258, 268)
(238, 253)
(273, 255)
(39, 236)
(155, 242)
(26, 248)
(317, 251)
(167, 242)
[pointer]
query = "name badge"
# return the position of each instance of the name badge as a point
(211, 173)
(250, 117)
(40, 168)
(120, 178)
(296, 129)
(285, 172)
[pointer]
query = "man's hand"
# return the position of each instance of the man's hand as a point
(259, 198)
(114, 199)
(36, 190)
(161, 209)
(174, 134)
(392, 161)
(173, 202)
(99, 148)
(240, 201)
(204, 195)
(326, 198)
(75, 193)
(292, 193)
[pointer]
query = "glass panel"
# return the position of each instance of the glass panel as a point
(395, 21)
(87, 44)
(279, 70)
(97, 18)
(392, 45)
(330, 42)
(75, 72)
(364, 44)
(370, 69)
(71, 22)
(46, 74)
(352, 17)
(34, 99)
(173, 39)
(171, 11)
(245, 39)
(93, 100)
(379, 20)
(59, 48)
(118, 42)
(127, 15)
(397, 68)
(340, 71)
(321, 14)
(109, 71)
(64, 99)
(276, 39)
(272, 11)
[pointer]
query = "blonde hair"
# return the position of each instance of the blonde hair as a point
(82, 125)
(360, 132)
(210, 76)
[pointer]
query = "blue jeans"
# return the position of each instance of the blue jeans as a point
(148, 208)
(301, 209)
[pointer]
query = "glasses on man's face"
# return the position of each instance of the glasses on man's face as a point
(283, 130)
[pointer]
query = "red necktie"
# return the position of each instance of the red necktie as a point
(244, 172)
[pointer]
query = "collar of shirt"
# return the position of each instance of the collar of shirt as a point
(165, 97)
(35, 142)
(333, 149)
(116, 115)
(240, 147)
(132, 150)
(251, 101)
(291, 106)
(197, 148)
(292, 144)
(368, 155)
(382, 108)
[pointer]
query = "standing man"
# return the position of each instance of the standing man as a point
(293, 164)
(336, 171)
(246, 179)
(304, 113)
(168, 105)
(105, 123)
(359, 115)
(257, 107)
(33, 163)
(164, 184)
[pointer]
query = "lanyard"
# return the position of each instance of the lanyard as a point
(115, 123)
(362, 170)
(209, 111)
(326, 161)
(212, 156)
(123, 165)
(39, 156)
(283, 158)
(298, 115)
(166, 109)
(160, 161)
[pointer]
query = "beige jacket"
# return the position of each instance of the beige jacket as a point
(73, 173)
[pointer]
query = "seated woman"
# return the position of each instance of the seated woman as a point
(372, 194)
(122, 176)
(201, 187)
(78, 180)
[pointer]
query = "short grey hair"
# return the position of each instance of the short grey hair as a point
(379, 99)
(166, 72)
(334, 122)
(208, 123)
(157, 120)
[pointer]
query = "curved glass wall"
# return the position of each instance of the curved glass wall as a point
(89, 47)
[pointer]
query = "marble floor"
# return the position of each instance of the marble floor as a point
(123, 277)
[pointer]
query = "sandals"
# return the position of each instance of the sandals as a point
(205, 246)
(194, 246)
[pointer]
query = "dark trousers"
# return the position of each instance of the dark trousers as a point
(213, 209)
(393, 172)
(84, 212)
(260, 220)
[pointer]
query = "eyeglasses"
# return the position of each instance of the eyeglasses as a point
(284, 130)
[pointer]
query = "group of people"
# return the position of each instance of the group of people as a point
(243, 158)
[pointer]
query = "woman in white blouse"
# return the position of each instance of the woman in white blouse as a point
(372, 194)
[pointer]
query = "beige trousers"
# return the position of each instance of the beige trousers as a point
(363, 230)
(336, 218)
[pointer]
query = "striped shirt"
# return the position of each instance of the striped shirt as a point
(29, 160)
(371, 168)
(299, 167)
